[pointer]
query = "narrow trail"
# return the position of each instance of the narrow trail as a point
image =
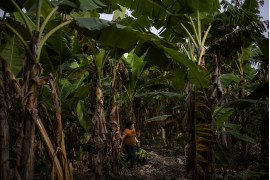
(160, 164)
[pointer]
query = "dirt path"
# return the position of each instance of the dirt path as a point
(161, 164)
(157, 167)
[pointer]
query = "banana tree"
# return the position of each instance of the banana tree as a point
(136, 66)
(31, 70)
(5, 90)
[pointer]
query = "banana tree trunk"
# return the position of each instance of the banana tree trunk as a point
(243, 120)
(4, 127)
(115, 139)
(189, 124)
(62, 155)
(115, 134)
(99, 122)
(210, 169)
(26, 148)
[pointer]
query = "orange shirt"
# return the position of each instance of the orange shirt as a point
(130, 137)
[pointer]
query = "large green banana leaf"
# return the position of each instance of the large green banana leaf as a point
(57, 49)
(226, 79)
(67, 6)
(136, 66)
(109, 35)
(19, 27)
(152, 8)
(121, 39)
(31, 7)
(195, 76)
(13, 52)
(83, 117)
(158, 9)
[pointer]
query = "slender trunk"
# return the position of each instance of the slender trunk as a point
(4, 127)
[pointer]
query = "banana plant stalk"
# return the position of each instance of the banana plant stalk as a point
(61, 138)
(114, 122)
(29, 90)
(99, 120)
(198, 42)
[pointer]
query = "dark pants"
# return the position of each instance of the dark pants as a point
(131, 150)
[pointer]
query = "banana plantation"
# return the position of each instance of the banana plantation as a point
(197, 91)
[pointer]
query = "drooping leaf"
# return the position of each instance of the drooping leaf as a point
(85, 14)
(239, 136)
(158, 9)
(109, 35)
(157, 118)
(90, 5)
(222, 115)
(256, 52)
(57, 49)
(161, 80)
(195, 75)
(13, 52)
(19, 27)
(83, 117)
(231, 126)
(154, 9)
(141, 23)
(246, 52)
(19, 18)
(31, 7)
(79, 5)
(136, 66)
(204, 6)
(250, 72)
(226, 79)
(171, 95)
(113, 36)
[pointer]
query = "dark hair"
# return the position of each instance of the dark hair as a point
(130, 123)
